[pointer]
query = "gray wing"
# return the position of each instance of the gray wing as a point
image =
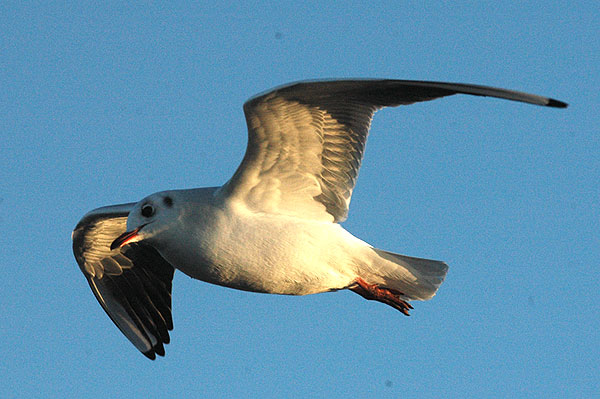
(133, 284)
(306, 141)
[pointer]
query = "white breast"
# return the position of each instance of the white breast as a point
(268, 253)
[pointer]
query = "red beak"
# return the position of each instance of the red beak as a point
(124, 238)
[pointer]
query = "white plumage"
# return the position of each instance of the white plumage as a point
(273, 227)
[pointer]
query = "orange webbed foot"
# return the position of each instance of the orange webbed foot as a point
(386, 295)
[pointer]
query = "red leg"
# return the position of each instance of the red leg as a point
(386, 295)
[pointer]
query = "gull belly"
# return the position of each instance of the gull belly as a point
(262, 252)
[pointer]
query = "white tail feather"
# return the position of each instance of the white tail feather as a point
(416, 278)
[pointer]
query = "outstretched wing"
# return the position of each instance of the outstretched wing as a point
(133, 284)
(306, 141)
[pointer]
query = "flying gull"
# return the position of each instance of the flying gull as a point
(274, 226)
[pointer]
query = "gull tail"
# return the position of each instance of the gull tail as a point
(391, 275)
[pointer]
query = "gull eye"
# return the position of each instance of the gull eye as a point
(147, 210)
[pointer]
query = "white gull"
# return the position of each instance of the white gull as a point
(274, 226)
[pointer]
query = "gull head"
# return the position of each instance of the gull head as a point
(149, 218)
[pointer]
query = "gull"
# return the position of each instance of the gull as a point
(274, 227)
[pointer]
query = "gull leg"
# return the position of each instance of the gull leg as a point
(386, 295)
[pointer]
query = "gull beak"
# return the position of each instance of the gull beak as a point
(125, 238)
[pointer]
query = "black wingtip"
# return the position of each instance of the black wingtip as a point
(556, 104)
(158, 349)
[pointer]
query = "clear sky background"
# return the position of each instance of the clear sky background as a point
(105, 104)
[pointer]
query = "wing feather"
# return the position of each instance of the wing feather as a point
(132, 284)
(306, 140)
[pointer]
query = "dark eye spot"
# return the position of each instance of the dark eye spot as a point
(168, 201)
(147, 210)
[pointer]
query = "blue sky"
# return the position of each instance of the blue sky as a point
(105, 104)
